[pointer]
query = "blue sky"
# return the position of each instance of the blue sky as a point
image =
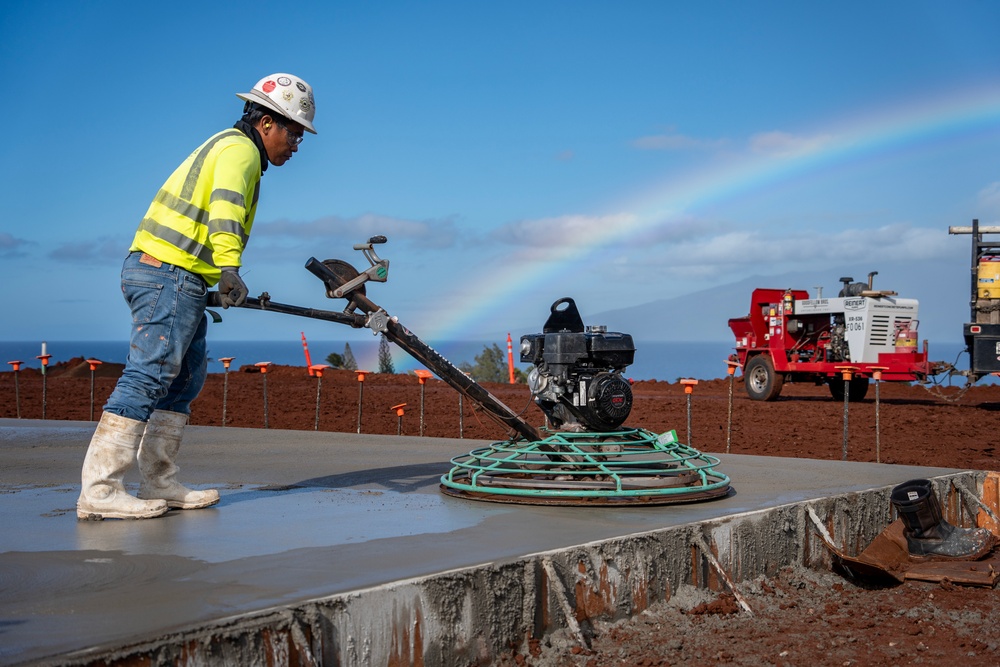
(513, 153)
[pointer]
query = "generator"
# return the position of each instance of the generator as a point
(842, 342)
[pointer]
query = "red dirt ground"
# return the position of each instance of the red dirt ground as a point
(799, 618)
(915, 426)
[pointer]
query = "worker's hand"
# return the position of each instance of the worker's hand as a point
(232, 289)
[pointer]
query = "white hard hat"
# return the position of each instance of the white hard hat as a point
(288, 95)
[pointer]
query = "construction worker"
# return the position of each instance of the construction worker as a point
(191, 238)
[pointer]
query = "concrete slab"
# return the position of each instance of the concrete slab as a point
(303, 516)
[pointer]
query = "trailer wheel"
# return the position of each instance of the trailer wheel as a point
(762, 383)
(856, 391)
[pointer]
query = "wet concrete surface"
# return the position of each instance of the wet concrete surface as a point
(303, 515)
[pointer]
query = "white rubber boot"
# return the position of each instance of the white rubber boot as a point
(110, 455)
(157, 452)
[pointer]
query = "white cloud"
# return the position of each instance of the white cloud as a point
(749, 248)
(647, 271)
(100, 251)
(783, 144)
(673, 228)
(689, 248)
(11, 246)
(558, 231)
(335, 233)
(772, 143)
(988, 203)
(675, 142)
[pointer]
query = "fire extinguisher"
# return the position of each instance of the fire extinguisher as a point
(788, 302)
(906, 336)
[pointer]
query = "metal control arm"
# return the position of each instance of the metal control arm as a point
(458, 380)
(264, 303)
(372, 316)
(378, 271)
(380, 322)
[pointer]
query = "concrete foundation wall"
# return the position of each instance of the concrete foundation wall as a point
(469, 616)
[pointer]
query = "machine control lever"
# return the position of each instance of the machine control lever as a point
(378, 271)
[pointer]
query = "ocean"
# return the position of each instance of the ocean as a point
(654, 360)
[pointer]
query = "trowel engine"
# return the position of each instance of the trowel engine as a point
(577, 376)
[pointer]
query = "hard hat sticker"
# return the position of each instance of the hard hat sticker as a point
(287, 95)
(301, 86)
(268, 86)
(284, 81)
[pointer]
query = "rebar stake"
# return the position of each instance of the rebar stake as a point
(714, 562)
(461, 412)
(877, 375)
(731, 372)
(688, 390)
(846, 373)
(94, 363)
(422, 376)
(569, 614)
(17, 388)
(399, 417)
(225, 385)
(361, 393)
(44, 358)
(262, 365)
(317, 370)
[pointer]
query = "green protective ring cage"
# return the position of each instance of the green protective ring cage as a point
(629, 466)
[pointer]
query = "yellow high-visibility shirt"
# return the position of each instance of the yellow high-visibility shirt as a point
(201, 218)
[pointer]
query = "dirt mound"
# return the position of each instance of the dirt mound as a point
(797, 617)
(79, 367)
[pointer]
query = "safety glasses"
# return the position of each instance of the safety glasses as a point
(292, 139)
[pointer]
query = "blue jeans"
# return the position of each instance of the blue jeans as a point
(167, 359)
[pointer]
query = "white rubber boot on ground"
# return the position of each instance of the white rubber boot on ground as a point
(110, 455)
(157, 452)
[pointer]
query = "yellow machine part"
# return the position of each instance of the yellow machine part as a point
(989, 278)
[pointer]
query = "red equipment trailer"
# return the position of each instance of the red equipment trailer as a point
(842, 341)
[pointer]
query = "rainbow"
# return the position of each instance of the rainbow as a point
(945, 116)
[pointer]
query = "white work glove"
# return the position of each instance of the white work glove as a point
(232, 289)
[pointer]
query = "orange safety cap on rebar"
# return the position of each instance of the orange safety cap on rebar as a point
(94, 363)
(226, 361)
(731, 366)
(688, 385)
(361, 375)
(877, 372)
(846, 371)
(262, 365)
(423, 375)
(44, 358)
(398, 409)
(318, 369)
(16, 365)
